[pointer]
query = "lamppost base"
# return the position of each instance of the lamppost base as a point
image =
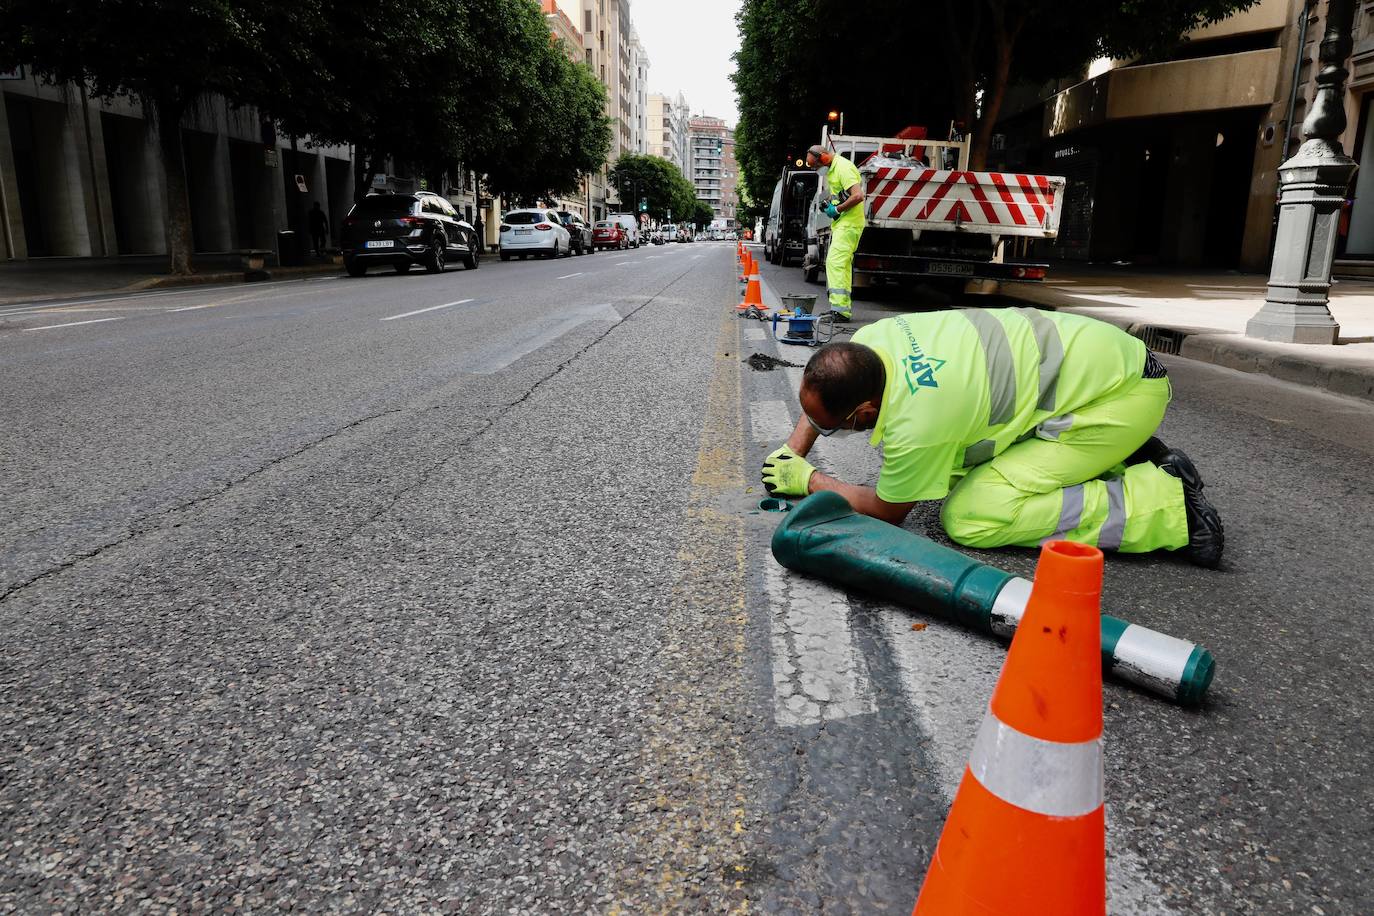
(1294, 322)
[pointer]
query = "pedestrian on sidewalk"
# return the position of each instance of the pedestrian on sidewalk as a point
(319, 228)
(1030, 426)
(845, 207)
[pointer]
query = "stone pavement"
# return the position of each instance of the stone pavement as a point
(68, 278)
(1202, 316)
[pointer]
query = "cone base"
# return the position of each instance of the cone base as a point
(995, 859)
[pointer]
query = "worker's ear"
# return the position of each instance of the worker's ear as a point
(867, 415)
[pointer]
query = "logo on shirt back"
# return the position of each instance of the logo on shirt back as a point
(920, 369)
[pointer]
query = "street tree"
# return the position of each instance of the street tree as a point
(989, 44)
(170, 57)
(702, 214)
(655, 180)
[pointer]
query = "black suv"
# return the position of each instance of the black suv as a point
(579, 233)
(406, 229)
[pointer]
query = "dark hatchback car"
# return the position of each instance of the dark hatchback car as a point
(404, 229)
(578, 231)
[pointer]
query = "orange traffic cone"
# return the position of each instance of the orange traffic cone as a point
(1026, 833)
(749, 268)
(753, 293)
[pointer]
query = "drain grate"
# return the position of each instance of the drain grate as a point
(1161, 340)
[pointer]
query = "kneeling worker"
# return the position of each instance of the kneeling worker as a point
(1035, 425)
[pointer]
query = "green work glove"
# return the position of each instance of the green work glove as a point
(785, 473)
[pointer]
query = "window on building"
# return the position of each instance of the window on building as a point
(587, 14)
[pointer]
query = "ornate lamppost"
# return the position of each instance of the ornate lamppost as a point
(1312, 188)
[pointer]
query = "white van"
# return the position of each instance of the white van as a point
(630, 224)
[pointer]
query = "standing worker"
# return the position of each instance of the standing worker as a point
(1036, 425)
(845, 207)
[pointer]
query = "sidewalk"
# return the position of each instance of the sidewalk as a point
(68, 278)
(1199, 315)
(1202, 316)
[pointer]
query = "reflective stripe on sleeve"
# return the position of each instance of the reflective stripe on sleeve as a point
(979, 452)
(1001, 365)
(1051, 355)
(1047, 777)
(1114, 528)
(1051, 428)
(1070, 513)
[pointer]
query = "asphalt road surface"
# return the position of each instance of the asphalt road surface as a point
(450, 593)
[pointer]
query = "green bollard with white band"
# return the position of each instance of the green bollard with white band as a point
(824, 537)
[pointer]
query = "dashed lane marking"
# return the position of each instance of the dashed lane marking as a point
(430, 309)
(72, 324)
(770, 422)
(569, 276)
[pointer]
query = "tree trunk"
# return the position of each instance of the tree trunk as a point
(179, 239)
(993, 94)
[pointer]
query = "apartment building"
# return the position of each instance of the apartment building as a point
(666, 130)
(639, 95)
(713, 170)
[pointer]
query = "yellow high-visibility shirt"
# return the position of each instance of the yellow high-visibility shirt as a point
(964, 385)
(840, 176)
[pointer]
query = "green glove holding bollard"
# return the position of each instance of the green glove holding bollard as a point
(785, 473)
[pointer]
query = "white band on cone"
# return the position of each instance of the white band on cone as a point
(1047, 777)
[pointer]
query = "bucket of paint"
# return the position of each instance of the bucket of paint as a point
(798, 304)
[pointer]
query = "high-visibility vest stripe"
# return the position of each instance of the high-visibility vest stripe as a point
(1047, 777)
(1000, 364)
(1051, 355)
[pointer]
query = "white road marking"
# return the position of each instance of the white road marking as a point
(72, 324)
(818, 673)
(1220, 286)
(569, 276)
(1236, 293)
(430, 309)
(770, 421)
(527, 338)
(192, 308)
(755, 334)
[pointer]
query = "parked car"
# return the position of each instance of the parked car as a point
(406, 229)
(630, 224)
(608, 234)
(534, 232)
(579, 231)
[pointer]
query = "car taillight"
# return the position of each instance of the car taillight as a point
(412, 221)
(543, 226)
(349, 221)
(505, 228)
(1035, 273)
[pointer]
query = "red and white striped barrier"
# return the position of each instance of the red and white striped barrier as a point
(1004, 203)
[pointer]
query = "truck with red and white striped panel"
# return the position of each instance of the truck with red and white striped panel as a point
(932, 220)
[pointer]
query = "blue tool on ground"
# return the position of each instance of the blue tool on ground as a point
(803, 328)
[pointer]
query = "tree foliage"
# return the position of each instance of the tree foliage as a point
(658, 181)
(929, 63)
(427, 83)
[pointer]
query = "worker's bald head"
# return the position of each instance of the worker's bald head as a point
(844, 375)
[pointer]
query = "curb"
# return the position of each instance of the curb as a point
(1230, 351)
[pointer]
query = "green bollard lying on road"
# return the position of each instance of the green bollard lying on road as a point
(824, 537)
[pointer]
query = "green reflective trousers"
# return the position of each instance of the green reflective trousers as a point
(839, 266)
(1068, 483)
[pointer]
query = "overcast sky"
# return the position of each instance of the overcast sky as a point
(689, 47)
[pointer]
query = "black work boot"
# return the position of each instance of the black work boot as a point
(1206, 537)
(1170, 459)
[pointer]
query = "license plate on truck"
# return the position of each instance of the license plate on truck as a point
(950, 269)
(384, 243)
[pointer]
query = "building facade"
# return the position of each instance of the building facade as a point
(667, 129)
(639, 96)
(1176, 162)
(83, 178)
(713, 170)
